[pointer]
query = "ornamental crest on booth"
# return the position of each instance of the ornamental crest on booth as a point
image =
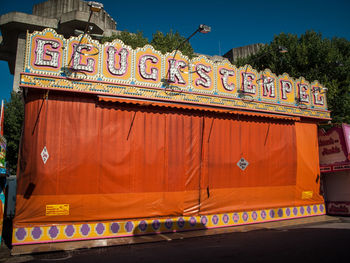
(48, 53)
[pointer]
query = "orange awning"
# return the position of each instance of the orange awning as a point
(195, 107)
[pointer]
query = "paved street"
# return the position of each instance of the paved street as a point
(318, 242)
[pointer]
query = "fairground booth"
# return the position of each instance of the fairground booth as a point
(120, 142)
(334, 148)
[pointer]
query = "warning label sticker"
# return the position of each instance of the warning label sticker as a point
(307, 195)
(57, 210)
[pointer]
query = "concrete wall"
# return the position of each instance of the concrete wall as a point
(242, 52)
(57, 8)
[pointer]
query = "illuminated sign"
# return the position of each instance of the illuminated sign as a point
(115, 69)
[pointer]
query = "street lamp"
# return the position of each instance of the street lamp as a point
(95, 7)
(282, 49)
(204, 29)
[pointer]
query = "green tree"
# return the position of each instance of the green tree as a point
(14, 115)
(163, 43)
(314, 58)
(130, 39)
(171, 41)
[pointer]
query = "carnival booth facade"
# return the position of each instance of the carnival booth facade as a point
(334, 148)
(120, 142)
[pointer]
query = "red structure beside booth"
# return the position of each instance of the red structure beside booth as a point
(335, 168)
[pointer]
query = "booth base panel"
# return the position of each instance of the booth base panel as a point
(50, 237)
(339, 208)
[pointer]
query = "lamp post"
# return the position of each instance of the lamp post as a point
(204, 29)
(282, 49)
(95, 7)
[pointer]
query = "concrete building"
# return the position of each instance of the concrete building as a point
(65, 16)
(242, 52)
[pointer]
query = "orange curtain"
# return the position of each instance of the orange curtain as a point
(269, 178)
(308, 168)
(116, 161)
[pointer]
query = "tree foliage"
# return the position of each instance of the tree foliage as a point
(14, 115)
(130, 39)
(314, 58)
(163, 43)
(171, 41)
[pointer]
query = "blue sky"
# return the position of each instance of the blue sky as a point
(234, 23)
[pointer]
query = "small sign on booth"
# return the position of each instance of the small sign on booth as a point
(334, 153)
(346, 130)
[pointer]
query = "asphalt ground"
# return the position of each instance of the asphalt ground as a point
(318, 239)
